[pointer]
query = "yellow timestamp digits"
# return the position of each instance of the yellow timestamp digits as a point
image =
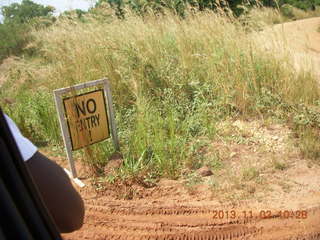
(262, 214)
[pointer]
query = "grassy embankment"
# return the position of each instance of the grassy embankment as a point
(260, 17)
(173, 82)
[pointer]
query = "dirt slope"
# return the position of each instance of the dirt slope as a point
(170, 211)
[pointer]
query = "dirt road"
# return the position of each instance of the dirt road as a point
(170, 211)
(116, 220)
(165, 213)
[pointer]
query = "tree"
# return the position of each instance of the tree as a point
(22, 13)
(14, 32)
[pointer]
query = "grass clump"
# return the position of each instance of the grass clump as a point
(278, 165)
(250, 173)
(172, 81)
(309, 143)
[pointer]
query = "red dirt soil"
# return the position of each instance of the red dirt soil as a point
(165, 213)
(171, 211)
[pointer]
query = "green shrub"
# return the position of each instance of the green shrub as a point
(13, 38)
(250, 173)
(36, 116)
(287, 10)
(18, 19)
(292, 12)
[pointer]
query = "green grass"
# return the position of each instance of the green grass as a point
(172, 81)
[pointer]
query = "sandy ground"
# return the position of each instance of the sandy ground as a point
(289, 209)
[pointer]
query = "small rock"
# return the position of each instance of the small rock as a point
(115, 156)
(204, 171)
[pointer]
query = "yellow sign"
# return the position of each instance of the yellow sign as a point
(87, 118)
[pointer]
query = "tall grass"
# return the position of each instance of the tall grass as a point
(172, 81)
(260, 17)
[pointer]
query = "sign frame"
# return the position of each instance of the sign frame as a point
(58, 94)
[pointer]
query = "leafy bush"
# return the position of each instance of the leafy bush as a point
(178, 7)
(301, 4)
(13, 37)
(18, 21)
(24, 11)
(293, 12)
(287, 10)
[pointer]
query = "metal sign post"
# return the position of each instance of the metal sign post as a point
(84, 119)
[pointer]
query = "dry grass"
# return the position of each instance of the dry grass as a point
(172, 80)
(290, 12)
(261, 17)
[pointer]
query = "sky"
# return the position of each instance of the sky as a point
(60, 5)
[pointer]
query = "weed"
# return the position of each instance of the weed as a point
(213, 183)
(215, 162)
(197, 152)
(192, 180)
(279, 165)
(250, 173)
(35, 114)
(285, 186)
(309, 143)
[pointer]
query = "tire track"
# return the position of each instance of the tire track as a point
(135, 221)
